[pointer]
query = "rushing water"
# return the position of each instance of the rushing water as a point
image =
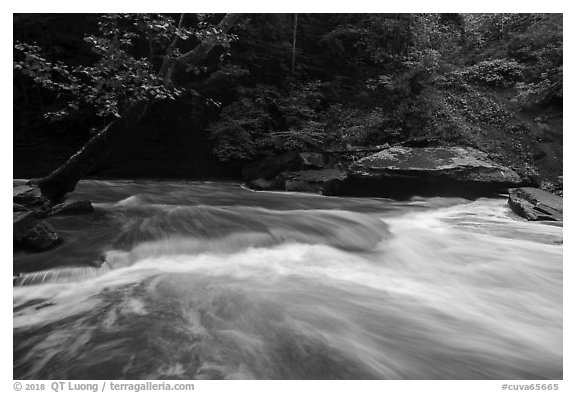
(209, 280)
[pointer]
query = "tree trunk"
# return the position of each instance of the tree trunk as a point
(64, 179)
(294, 31)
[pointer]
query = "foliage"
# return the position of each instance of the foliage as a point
(533, 41)
(546, 90)
(123, 73)
(494, 73)
(114, 81)
(397, 66)
(265, 118)
(360, 79)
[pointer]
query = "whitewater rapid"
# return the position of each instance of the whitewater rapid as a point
(208, 280)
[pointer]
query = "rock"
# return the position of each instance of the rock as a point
(420, 142)
(260, 184)
(324, 181)
(41, 237)
(291, 161)
(19, 208)
(23, 222)
(313, 160)
(535, 204)
(271, 167)
(98, 262)
(455, 171)
(71, 208)
(19, 182)
(28, 196)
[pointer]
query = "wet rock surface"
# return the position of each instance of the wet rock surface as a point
(260, 184)
(28, 196)
(29, 205)
(535, 204)
(291, 161)
(71, 208)
(19, 208)
(406, 171)
(323, 181)
(463, 164)
(22, 222)
(397, 172)
(41, 237)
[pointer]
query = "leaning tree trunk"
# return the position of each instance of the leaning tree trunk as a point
(64, 179)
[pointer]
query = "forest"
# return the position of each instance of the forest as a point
(273, 83)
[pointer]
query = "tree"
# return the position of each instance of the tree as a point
(294, 31)
(139, 59)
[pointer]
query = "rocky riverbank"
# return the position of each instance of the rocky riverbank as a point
(401, 172)
(31, 231)
(395, 172)
(535, 204)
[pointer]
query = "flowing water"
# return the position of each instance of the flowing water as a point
(175, 280)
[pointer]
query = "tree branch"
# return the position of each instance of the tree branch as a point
(203, 48)
(174, 42)
(168, 64)
(197, 54)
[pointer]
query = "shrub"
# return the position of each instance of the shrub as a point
(494, 73)
(265, 118)
(543, 92)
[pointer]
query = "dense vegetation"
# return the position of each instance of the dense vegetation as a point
(280, 82)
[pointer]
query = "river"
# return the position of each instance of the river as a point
(207, 280)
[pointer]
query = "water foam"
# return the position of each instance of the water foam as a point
(458, 291)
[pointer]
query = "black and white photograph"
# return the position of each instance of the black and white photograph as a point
(287, 196)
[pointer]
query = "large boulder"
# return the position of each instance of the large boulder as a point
(535, 204)
(405, 171)
(291, 161)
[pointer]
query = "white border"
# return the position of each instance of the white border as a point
(567, 385)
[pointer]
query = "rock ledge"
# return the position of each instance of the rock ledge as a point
(535, 204)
